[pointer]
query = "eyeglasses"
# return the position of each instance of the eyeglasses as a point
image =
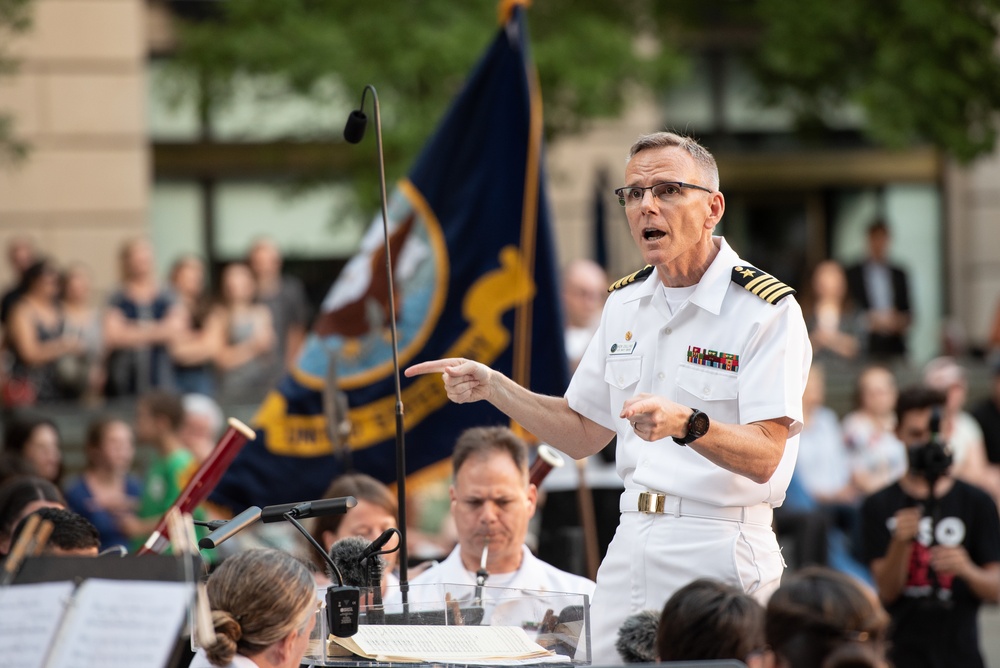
(664, 192)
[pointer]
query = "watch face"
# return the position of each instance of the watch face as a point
(698, 425)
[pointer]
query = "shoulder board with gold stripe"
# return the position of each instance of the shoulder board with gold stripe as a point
(631, 278)
(760, 283)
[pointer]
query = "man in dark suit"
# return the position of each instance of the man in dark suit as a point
(881, 290)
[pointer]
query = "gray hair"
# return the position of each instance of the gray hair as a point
(701, 155)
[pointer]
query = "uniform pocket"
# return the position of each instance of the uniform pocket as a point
(715, 392)
(622, 372)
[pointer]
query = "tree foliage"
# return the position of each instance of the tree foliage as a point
(15, 17)
(417, 54)
(922, 71)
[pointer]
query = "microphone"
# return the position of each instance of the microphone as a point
(379, 543)
(350, 554)
(230, 528)
(304, 509)
(636, 641)
(353, 132)
(342, 600)
(357, 122)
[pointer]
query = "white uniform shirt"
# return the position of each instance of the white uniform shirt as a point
(640, 347)
(200, 660)
(527, 606)
(533, 574)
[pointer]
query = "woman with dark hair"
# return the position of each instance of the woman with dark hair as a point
(376, 512)
(707, 620)
(821, 618)
(106, 487)
(21, 496)
(37, 339)
(35, 441)
(264, 607)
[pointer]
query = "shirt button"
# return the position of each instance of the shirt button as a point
(661, 375)
(621, 380)
(707, 391)
(668, 331)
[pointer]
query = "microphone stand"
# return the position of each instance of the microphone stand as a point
(376, 613)
(404, 585)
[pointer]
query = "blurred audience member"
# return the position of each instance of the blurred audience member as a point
(285, 298)
(987, 414)
(819, 618)
(22, 496)
(139, 323)
(584, 289)
(72, 535)
(37, 338)
(881, 290)
(246, 358)
(263, 608)
(35, 440)
(376, 512)
(877, 456)
(158, 418)
(824, 462)
(708, 620)
(561, 536)
(201, 334)
(202, 425)
(933, 543)
(833, 324)
(821, 496)
(968, 449)
(106, 489)
(82, 374)
(21, 254)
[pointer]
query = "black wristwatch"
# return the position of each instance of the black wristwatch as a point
(697, 427)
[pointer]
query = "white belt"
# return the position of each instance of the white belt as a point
(654, 502)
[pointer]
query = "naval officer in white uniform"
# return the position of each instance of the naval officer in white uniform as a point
(699, 367)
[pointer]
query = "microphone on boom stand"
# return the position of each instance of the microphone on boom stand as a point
(354, 132)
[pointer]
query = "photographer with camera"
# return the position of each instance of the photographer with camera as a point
(933, 545)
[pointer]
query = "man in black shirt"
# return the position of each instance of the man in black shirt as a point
(933, 544)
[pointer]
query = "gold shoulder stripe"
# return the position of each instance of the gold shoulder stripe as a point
(631, 278)
(762, 284)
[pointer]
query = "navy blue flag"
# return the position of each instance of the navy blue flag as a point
(474, 277)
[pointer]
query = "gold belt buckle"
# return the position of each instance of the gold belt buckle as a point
(651, 502)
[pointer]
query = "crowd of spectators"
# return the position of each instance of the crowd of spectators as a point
(60, 343)
(178, 351)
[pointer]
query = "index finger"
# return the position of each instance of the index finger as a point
(431, 366)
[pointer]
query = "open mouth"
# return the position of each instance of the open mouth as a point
(651, 234)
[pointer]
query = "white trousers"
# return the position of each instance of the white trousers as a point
(654, 555)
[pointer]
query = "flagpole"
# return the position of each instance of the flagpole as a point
(353, 133)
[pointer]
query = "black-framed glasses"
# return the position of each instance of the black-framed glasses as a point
(632, 195)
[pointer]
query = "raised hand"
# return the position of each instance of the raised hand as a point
(464, 380)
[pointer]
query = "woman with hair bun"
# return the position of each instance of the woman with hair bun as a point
(821, 618)
(263, 608)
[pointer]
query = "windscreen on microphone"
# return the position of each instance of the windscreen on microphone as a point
(354, 130)
(349, 555)
(636, 641)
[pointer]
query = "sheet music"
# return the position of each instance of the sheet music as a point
(121, 624)
(443, 643)
(29, 618)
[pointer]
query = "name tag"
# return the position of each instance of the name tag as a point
(623, 348)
